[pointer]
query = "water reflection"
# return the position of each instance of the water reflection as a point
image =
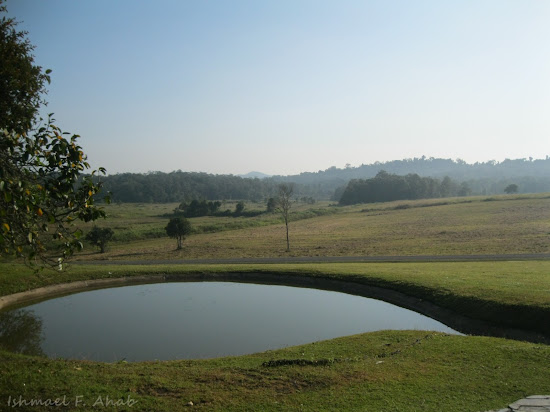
(21, 332)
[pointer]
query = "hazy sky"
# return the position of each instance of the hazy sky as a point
(289, 86)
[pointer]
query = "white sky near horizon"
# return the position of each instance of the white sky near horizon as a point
(284, 87)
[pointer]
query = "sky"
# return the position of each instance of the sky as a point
(290, 86)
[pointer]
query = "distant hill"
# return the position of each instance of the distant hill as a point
(491, 177)
(433, 167)
(487, 178)
(255, 175)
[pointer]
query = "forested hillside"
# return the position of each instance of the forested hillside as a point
(183, 186)
(482, 178)
(455, 169)
(486, 178)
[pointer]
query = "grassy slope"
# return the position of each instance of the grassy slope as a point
(383, 371)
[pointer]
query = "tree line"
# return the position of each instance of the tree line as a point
(435, 167)
(386, 187)
(481, 178)
(484, 178)
(159, 187)
(200, 208)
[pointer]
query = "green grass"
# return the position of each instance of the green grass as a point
(382, 371)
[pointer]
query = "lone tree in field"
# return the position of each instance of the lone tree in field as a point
(179, 228)
(99, 236)
(42, 187)
(284, 203)
(513, 188)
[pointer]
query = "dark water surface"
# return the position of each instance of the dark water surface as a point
(186, 320)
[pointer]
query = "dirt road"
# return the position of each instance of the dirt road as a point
(327, 259)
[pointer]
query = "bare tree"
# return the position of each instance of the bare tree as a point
(283, 206)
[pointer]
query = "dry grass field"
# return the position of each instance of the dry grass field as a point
(461, 226)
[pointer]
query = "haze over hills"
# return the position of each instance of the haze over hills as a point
(531, 176)
(434, 167)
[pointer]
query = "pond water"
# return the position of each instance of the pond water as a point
(187, 320)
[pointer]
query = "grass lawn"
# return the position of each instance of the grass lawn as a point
(382, 371)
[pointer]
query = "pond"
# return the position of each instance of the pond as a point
(188, 320)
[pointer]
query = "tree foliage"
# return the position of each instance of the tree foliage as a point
(386, 187)
(197, 208)
(239, 208)
(178, 228)
(100, 236)
(42, 192)
(181, 186)
(22, 82)
(43, 189)
(271, 205)
(511, 188)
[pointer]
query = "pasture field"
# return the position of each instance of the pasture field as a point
(455, 226)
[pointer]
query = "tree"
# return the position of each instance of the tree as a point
(179, 228)
(284, 203)
(99, 236)
(22, 83)
(271, 205)
(239, 208)
(513, 188)
(42, 186)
